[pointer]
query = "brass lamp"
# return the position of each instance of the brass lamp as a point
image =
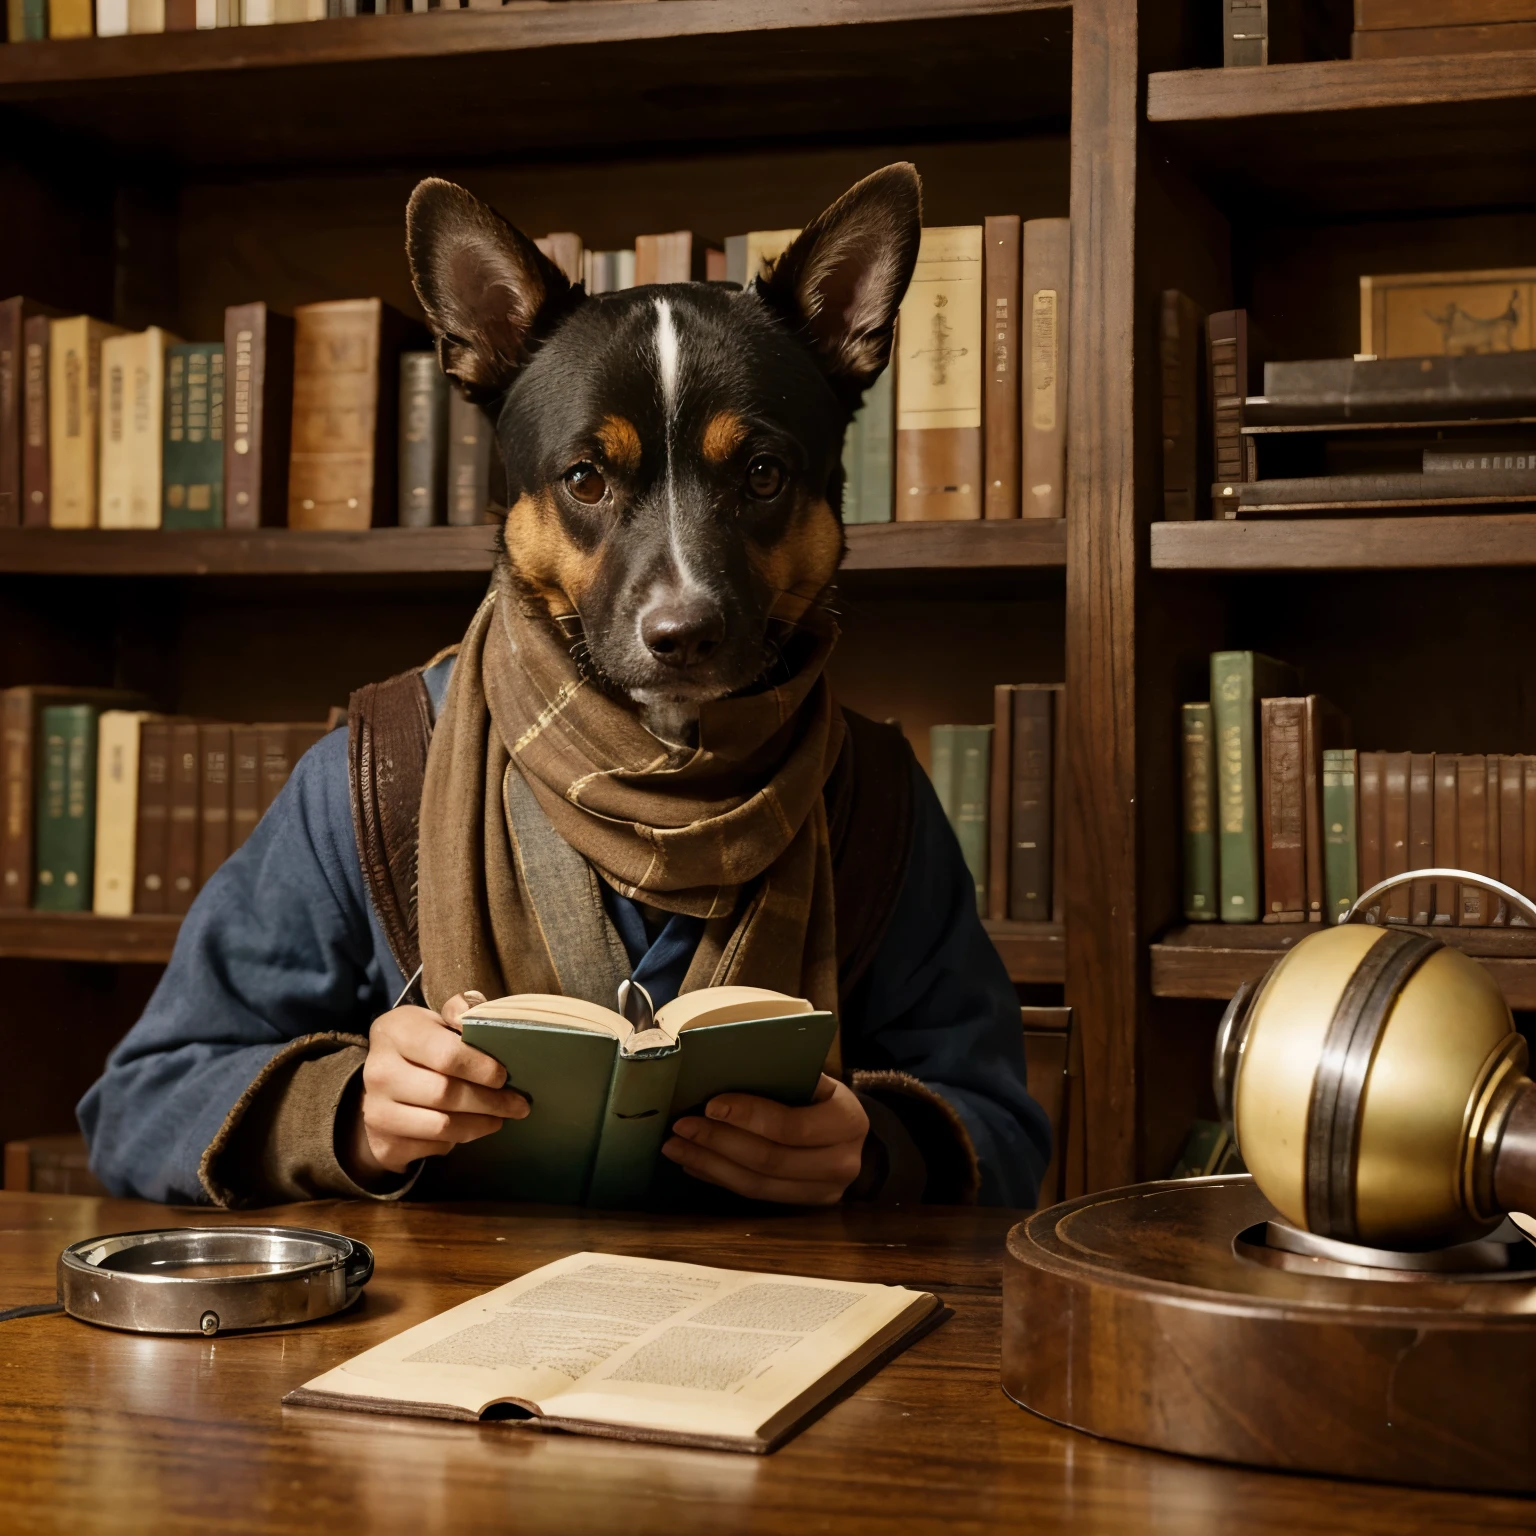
(1376, 1086)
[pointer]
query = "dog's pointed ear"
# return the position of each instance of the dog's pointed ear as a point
(841, 282)
(487, 289)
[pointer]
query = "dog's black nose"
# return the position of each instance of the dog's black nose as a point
(683, 633)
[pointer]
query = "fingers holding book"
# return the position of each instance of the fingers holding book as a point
(424, 1091)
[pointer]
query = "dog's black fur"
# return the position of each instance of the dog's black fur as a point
(673, 452)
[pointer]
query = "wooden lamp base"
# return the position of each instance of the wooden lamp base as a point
(1133, 1314)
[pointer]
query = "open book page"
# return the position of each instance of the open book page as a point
(551, 1008)
(613, 1340)
(726, 1005)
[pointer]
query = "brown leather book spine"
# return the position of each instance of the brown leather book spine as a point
(1047, 265)
(35, 468)
(301, 738)
(276, 763)
(12, 393)
(1377, 15)
(1181, 353)
(1472, 835)
(1312, 743)
(214, 752)
(181, 849)
(258, 415)
(1370, 788)
(1227, 390)
(1000, 807)
(1058, 802)
(1394, 832)
(1447, 909)
(17, 765)
(1528, 821)
(1281, 729)
(1421, 835)
(181, 15)
(151, 892)
(1494, 914)
(1031, 861)
(1000, 399)
(1512, 832)
(244, 783)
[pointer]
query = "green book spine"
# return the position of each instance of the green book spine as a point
(634, 1125)
(941, 767)
(193, 474)
(1239, 679)
(34, 20)
(877, 478)
(1200, 883)
(66, 809)
(1341, 856)
(973, 780)
(853, 469)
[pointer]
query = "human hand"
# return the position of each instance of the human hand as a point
(768, 1151)
(425, 1091)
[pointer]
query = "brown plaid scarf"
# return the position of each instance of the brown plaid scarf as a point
(733, 831)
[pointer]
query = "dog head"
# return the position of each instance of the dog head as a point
(673, 453)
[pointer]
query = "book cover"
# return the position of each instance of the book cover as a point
(133, 428)
(1421, 835)
(565, 250)
(869, 453)
(343, 464)
(1370, 772)
(939, 380)
(1447, 314)
(29, 21)
(1323, 727)
(1340, 816)
(1227, 378)
(15, 381)
(1281, 730)
(1239, 679)
(66, 809)
(74, 418)
(1000, 795)
(973, 768)
(245, 783)
(146, 15)
(471, 441)
(1198, 756)
(35, 474)
(181, 845)
(1394, 833)
(1001, 282)
(71, 18)
(608, 271)
(1512, 831)
(152, 835)
(258, 415)
(681, 256)
(1494, 911)
(117, 810)
(1447, 895)
(1181, 348)
(1047, 262)
(608, 1095)
(423, 439)
(1031, 830)
(214, 746)
(193, 450)
(111, 18)
(1474, 907)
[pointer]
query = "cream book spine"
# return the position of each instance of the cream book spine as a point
(74, 400)
(117, 810)
(939, 380)
(207, 15)
(132, 426)
(111, 18)
(257, 13)
(1047, 263)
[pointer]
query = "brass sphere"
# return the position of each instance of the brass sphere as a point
(1380, 1127)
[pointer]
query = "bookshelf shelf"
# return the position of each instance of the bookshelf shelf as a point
(1346, 544)
(83, 936)
(1033, 952)
(541, 75)
(436, 551)
(1211, 960)
(1452, 131)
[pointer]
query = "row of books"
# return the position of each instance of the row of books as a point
(1000, 788)
(111, 809)
(1285, 822)
(33, 20)
(1433, 413)
(1290, 31)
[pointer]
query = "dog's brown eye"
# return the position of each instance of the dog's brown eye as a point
(585, 482)
(765, 477)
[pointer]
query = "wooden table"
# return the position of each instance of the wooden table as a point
(102, 1431)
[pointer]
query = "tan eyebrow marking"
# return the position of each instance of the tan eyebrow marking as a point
(723, 436)
(621, 443)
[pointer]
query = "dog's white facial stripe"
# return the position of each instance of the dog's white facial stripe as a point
(669, 361)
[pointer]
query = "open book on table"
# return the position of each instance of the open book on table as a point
(604, 1095)
(636, 1349)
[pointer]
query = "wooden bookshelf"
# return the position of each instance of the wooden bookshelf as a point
(1033, 952)
(1212, 960)
(1383, 543)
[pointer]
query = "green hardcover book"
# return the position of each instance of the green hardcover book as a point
(868, 462)
(605, 1096)
(66, 809)
(193, 458)
(1239, 679)
(960, 758)
(34, 21)
(1341, 856)
(941, 767)
(1200, 882)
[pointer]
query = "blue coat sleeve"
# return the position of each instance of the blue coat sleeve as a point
(937, 1005)
(281, 943)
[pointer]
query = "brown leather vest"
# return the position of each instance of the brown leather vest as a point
(868, 799)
